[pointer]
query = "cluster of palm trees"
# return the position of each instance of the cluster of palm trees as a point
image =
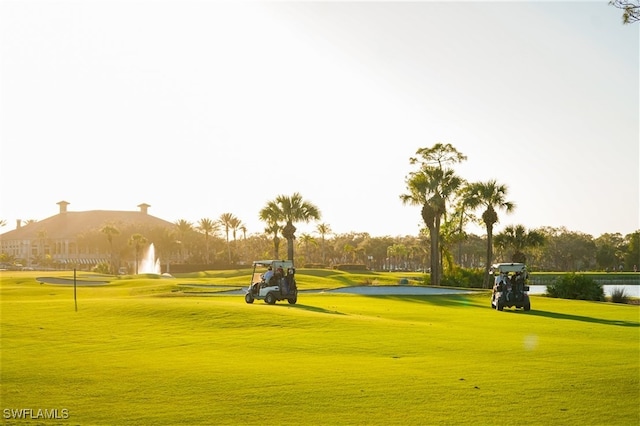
(448, 201)
(279, 215)
(227, 222)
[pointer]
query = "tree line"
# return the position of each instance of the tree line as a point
(448, 204)
(543, 249)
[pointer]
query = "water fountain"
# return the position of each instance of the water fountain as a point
(149, 264)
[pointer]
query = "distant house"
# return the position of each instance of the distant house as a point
(60, 238)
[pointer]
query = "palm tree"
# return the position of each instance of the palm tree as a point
(227, 220)
(110, 231)
(431, 186)
(137, 241)
(166, 244)
(519, 239)
(243, 229)
(291, 210)
(323, 229)
(236, 224)
(418, 186)
(305, 240)
(209, 227)
(491, 196)
(462, 215)
(184, 228)
(271, 215)
(273, 229)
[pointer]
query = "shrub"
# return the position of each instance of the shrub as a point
(102, 268)
(463, 277)
(575, 286)
(618, 295)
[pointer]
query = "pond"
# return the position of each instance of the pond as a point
(629, 290)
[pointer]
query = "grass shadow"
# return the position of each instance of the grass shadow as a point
(69, 281)
(582, 318)
(312, 309)
(450, 300)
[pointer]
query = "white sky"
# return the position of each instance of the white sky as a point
(182, 104)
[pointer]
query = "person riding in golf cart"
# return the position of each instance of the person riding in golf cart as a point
(510, 286)
(277, 282)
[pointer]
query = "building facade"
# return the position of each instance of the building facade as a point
(70, 239)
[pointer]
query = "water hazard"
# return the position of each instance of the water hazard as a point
(629, 290)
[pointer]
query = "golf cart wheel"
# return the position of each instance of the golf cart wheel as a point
(248, 298)
(499, 305)
(270, 299)
(293, 300)
(527, 304)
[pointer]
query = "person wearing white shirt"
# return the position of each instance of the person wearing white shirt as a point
(267, 275)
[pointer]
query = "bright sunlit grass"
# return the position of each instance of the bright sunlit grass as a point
(308, 278)
(138, 352)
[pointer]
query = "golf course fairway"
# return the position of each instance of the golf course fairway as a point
(144, 354)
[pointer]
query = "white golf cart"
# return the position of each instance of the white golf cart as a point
(510, 286)
(272, 280)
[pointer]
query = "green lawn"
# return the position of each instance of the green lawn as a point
(308, 278)
(139, 352)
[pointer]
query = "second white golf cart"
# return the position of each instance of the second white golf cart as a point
(272, 280)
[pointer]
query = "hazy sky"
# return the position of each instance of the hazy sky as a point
(200, 108)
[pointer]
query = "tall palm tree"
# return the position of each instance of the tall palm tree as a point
(418, 186)
(431, 186)
(292, 209)
(110, 231)
(227, 220)
(236, 224)
(491, 196)
(137, 241)
(323, 229)
(209, 227)
(519, 239)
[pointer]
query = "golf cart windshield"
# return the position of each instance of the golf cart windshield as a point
(261, 266)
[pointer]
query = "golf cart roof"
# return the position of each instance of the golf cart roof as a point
(508, 267)
(274, 263)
